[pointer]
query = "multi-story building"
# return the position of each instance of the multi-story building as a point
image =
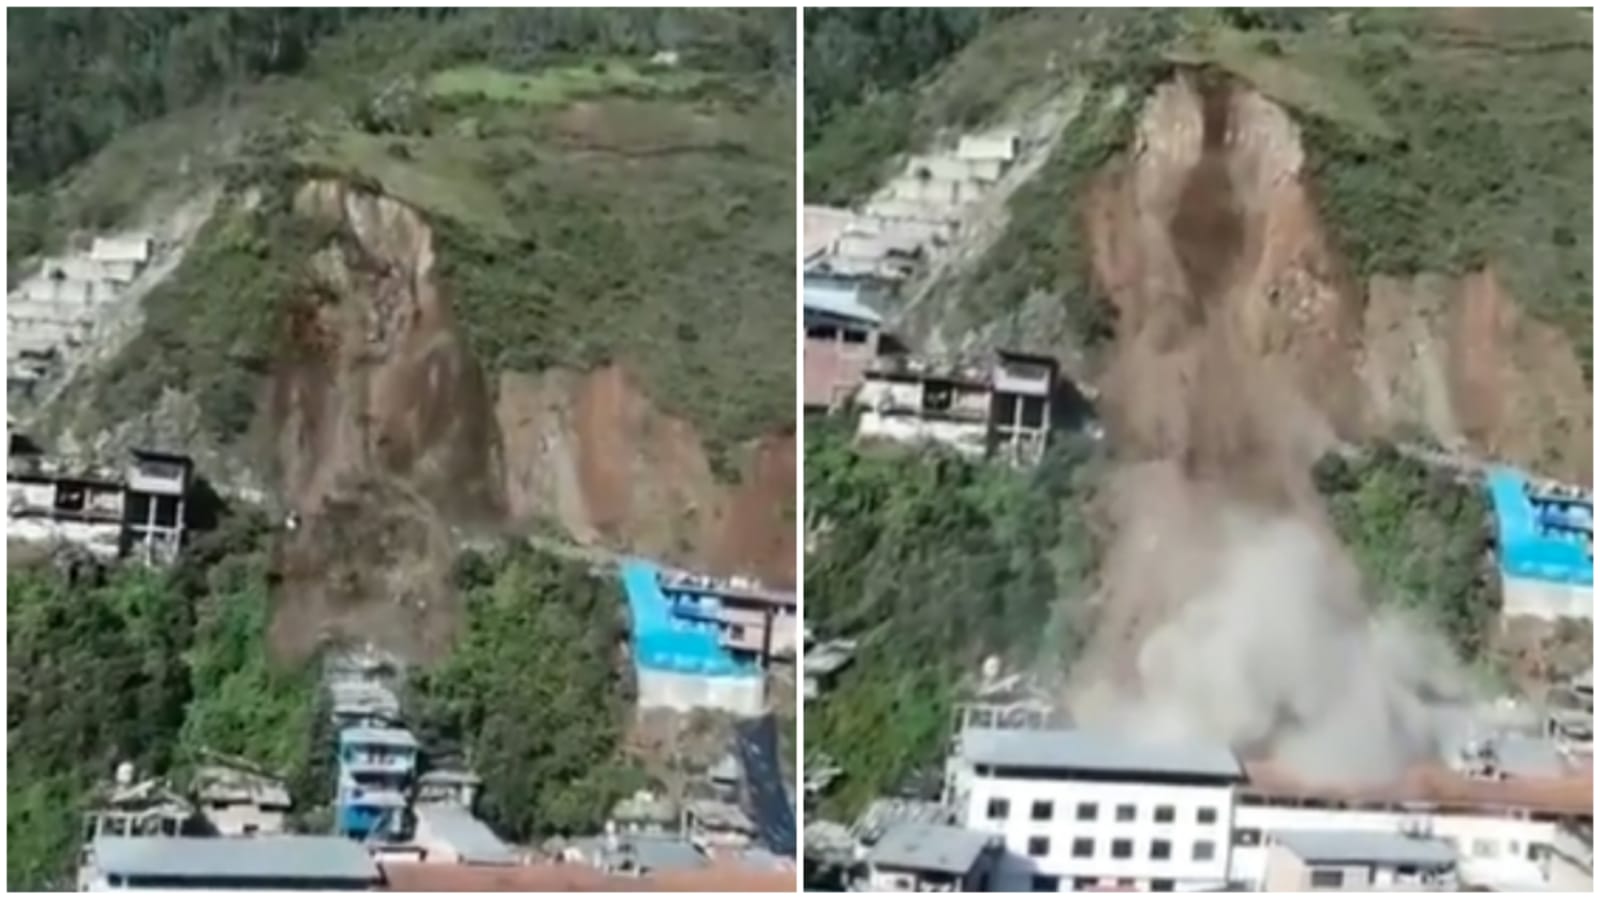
(140, 515)
(377, 766)
(1545, 537)
(1000, 409)
(701, 642)
(842, 334)
(1082, 811)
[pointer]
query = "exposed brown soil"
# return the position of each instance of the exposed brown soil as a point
(593, 455)
(383, 436)
(387, 439)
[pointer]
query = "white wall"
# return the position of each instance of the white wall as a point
(967, 438)
(1488, 846)
(1526, 597)
(1016, 869)
(686, 692)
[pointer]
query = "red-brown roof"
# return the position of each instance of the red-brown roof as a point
(1437, 785)
(548, 877)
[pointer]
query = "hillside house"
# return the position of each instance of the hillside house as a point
(241, 802)
(376, 769)
(999, 410)
(141, 516)
(1545, 542)
(842, 334)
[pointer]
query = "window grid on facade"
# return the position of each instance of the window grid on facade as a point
(1043, 810)
(1326, 878)
(1087, 811)
(1122, 849)
(1045, 884)
(1083, 847)
(1206, 815)
(1204, 850)
(1126, 812)
(1165, 814)
(1161, 850)
(1038, 847)
(999, 809)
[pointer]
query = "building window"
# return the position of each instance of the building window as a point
(1160, 850)
(1484, 848)
(1538, 852)
(999, 809)
(854, 336)
(1204, 850)
(1080, 884)
(1082, 847)
(1087, 811)
(1122, 849)
(1247, 836)
(1043, 811)
(1038, 847)
(1161, 886)
(1043, 884)
(1327, 879)
(1126, 812)
(1165, 814)
(1206, 815)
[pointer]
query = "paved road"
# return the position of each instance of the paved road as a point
(769, 802)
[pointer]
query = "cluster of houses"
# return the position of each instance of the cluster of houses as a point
(1030, 803)
(1002, 406)
(54, 311)
(402, 823)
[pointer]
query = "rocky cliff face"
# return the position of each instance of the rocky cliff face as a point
(387, 438)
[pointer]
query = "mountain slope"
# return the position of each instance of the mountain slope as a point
(440, 258)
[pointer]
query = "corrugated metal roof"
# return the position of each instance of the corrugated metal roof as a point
(1364, 847)
(1081, 750)
(838, 297)
(274, 857)
(470, 838)
(931, 847)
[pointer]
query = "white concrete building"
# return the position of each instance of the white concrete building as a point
(1081, 811)
(1358, 861)
(1515, 833)
(999, 409)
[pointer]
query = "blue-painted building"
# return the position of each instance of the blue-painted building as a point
(681, 654)
(1545, 537)
(377, 767)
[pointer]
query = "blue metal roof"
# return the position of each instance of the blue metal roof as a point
(1542, 536)
(666, 641)
(839, 297)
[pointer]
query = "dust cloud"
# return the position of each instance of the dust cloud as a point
(1228, 610)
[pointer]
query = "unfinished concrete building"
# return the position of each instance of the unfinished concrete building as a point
(140, 516)
(999, 410)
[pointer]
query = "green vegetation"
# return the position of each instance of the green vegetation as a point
(1419, 537)
(644, 225)
(530, 695)
(130, 664)
(933, 563)
(1444, 142)
(155, 667)
(562, 84)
